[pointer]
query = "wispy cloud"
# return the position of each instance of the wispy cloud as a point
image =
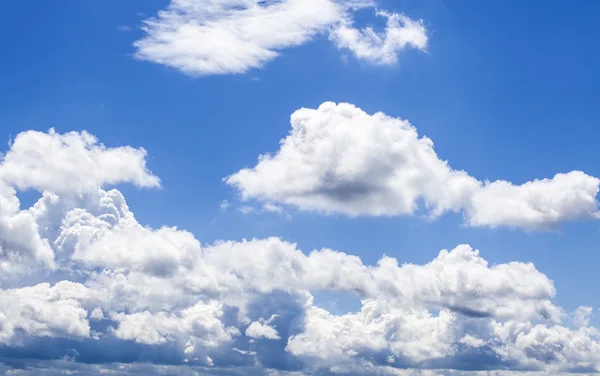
(205, 37)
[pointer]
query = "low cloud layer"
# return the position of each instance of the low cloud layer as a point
(85, 287)
(339, 159)
(206, 37)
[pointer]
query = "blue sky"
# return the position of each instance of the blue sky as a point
(506, 90)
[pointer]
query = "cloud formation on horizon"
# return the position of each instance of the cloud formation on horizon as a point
(83, 284)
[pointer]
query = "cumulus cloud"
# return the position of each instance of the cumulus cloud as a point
(46, 161)
(20, 240)
(339, 159)
(412, 334)
(73, 165)
(43, 311)
(125, 298)
(195, 329)
(204, 37)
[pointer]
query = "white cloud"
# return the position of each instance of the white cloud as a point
(464, 282)
(43, 311)
(46, 161)
(97, 314)
(74, 165)
(159, 295)
(204, 37)
(471, 341)
(339, 159)
(20, 241)
(261, 329)
(556, 347)
(381, 48)
(194, 329)
(413, 334)
(128, 244)
(537, 203)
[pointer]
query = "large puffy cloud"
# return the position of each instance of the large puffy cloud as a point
(108, 235)
(203, 37)
(339, 159)
(213, 303)
(463, 281)
(411, 334)
(118, 291)
(71, 164)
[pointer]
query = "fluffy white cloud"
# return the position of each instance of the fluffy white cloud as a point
(339, 159)
(381, 48)
(556, 347)
(44, 311)
(463, 281)
(74, 165)
(262, 329)
(111, 237)
(203, 37)
(20, 240)
(412, 334)
(47, 161)
(195, 328)
(535, 204)
(130, 293)
(187, 305)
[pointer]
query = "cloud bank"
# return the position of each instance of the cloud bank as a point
(86, 288)
(207, 37)
(339, 159)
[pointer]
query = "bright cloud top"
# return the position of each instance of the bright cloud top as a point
(339, 159)
(205, 37)
(106, 289)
